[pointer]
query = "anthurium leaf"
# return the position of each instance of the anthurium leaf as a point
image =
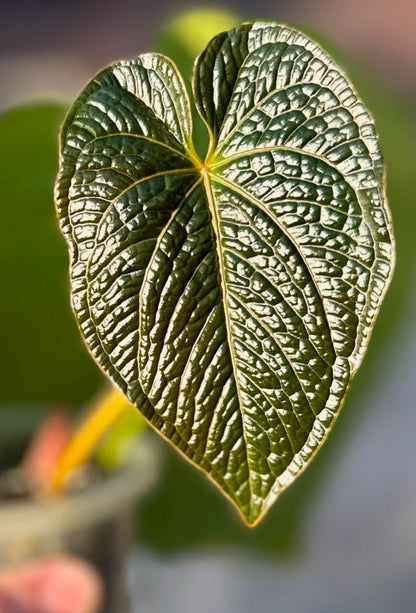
(231, 300)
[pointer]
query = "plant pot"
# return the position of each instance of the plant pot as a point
(95, 523)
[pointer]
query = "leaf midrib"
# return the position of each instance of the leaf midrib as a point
(215, 222)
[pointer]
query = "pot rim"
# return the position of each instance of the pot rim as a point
(36, 519)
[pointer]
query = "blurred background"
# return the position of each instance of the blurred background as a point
(343, 537)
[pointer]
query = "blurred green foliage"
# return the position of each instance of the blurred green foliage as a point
(43, 357)
(44, 360)
(117, 445)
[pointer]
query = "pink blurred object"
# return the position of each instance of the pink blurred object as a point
(51, 585)
(47, 445)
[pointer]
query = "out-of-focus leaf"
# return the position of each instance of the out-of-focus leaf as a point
(231, 300)
(120, 440)
(43, 358)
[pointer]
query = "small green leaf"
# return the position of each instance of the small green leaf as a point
(231, 300)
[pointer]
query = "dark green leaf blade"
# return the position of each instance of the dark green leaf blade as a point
(231, 300)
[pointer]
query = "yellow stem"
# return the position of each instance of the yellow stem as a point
(103, 414)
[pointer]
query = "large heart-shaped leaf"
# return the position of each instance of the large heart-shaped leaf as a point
(232, 299)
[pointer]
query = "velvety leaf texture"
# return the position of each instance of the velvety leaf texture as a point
(231, 300)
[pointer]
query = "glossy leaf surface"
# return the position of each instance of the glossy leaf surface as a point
(231, 299)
